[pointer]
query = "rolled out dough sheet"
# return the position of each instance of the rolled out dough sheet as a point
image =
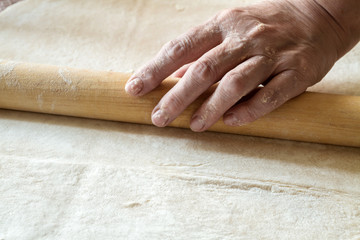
(72, 178)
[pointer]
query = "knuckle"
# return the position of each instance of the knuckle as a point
(270, 52)
(209, 28)
(236, 47)
(204, 69)
(270, 97)
(173, 103)
(176, 49)
(249, 114)
(260, 29)
(226, 94)
(299, 80)
(233, 84)
(274, 98)
(303, 65)
(267, 61)
(150, 73)
(226, 14)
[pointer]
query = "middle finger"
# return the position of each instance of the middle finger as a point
(207, 70)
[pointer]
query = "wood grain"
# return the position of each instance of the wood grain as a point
(311, 117)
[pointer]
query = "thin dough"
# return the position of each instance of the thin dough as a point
(63, 177)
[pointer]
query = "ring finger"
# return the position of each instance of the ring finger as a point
(200, 76)
(235, 84)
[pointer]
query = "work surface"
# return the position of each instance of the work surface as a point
(72, 178)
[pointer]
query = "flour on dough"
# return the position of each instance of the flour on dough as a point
(64, 178)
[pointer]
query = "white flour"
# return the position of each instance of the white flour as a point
(72, 178)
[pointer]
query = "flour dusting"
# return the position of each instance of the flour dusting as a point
(65, 75)
(52, 106)
(65, 178)
(179, 7)
(6, 68)
(40, 101)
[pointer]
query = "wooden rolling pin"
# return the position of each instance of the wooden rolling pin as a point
(311, 117)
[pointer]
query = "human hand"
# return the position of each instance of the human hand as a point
(5, 3)
(284, 45)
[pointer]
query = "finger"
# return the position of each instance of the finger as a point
(233, 86)
(210, 68)
(181, 71)
(250, 94)
(184, 49)
(280, 89)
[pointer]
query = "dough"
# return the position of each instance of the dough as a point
(63, 177)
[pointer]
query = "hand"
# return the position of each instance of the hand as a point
(286, 46)
(5, 3)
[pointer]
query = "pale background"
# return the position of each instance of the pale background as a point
(65, 178)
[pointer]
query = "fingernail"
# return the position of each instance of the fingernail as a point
(134, 87)
(160, 118)
(231, 120)
(197, 124)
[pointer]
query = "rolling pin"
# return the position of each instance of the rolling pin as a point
(310, 117)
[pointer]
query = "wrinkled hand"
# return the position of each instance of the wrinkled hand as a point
(286, 46)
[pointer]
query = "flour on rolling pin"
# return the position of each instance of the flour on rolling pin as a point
(35, 85)
(101, 95)
(6, 68)
(65, 75)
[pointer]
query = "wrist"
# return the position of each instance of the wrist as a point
(344, 17)
(334, 25)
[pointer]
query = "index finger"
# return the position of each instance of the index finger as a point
(176, 53)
